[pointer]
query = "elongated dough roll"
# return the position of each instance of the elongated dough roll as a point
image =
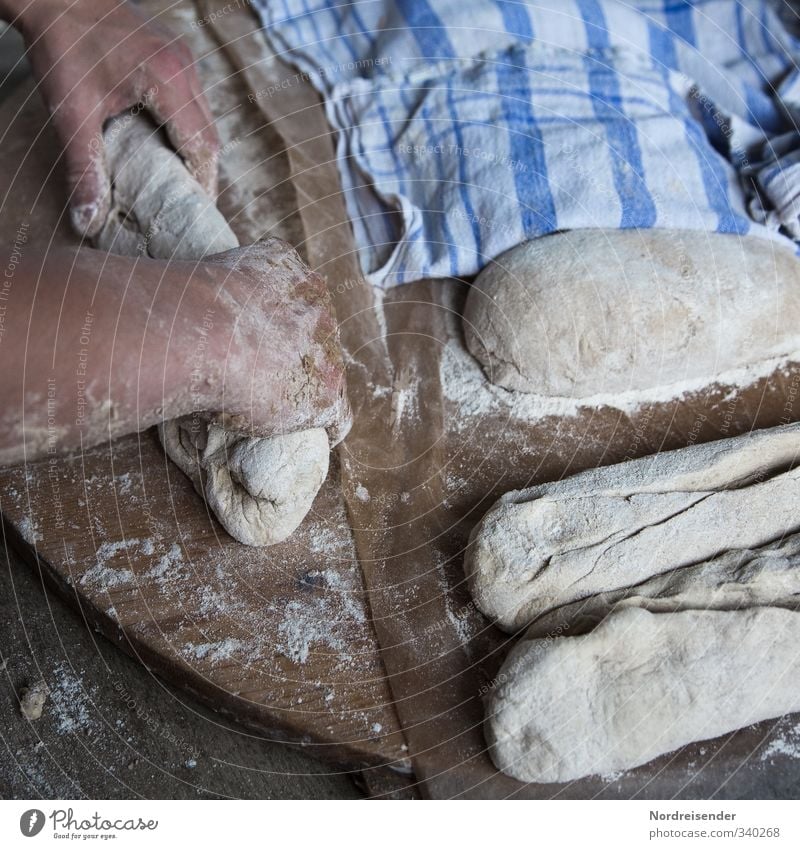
(614, 527)
(259, 489)
(639, 685)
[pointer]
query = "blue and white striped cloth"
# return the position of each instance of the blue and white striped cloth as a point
(468, 126)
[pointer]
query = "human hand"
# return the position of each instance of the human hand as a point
(282, 364)
(94, 59)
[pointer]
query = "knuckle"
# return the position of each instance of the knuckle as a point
(168, 65)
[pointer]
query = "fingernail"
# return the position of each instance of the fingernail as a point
(84, 219)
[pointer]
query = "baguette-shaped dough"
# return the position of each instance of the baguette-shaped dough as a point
(639, 685)
(735, 580)
(614, 527)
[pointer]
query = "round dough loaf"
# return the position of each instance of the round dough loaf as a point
(598, 312)
(259, 489)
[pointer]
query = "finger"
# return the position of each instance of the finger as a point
(86, 168)
(183, 112)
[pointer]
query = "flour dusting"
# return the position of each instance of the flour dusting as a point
(786, 744)
(70, 702)
(324, 619)
(465, 385)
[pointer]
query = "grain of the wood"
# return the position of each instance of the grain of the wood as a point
(280, 639)
(111, 730)
(438, 673)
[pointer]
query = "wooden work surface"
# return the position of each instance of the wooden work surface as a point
(361, 624)
(280, 638)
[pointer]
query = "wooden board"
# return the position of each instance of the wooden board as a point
(125, 537)
(280, 639)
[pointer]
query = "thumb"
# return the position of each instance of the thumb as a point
(87, 176)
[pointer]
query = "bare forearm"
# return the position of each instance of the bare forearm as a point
(22, 13)
(96, 345)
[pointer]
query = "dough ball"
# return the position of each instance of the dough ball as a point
(259, 489)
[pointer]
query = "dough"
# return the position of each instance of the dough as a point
(767, 576)
(610, 528)
(259, 489)
(598, 312)
(639, 685)
(32, 700)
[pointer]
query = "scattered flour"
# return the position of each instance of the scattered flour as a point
(323, 619)
(165, 567)
(111, 549)
(405, 395)
(222, 650)
(786, 744)
(105, 576)
(70, 702)
(465, 385)
(327, 539)
(124, 483)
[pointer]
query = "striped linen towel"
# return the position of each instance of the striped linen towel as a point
(468, 126)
